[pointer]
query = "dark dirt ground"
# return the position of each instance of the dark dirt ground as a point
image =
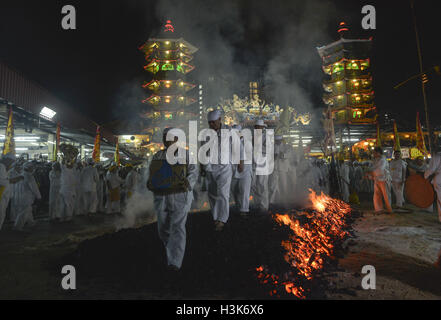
(403, 247)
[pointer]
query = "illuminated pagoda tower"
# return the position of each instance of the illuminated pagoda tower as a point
(168, 61)
(348, 89)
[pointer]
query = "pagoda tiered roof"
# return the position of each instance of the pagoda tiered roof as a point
(169, 101)
(168, 44)
(168, 84)
(345, 48)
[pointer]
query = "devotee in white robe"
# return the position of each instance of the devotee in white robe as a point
(29, 193)
(358, 177)
(344, 175)
(114, 183)
(241, 180)
(282, 179)
(89, 181)
(398, 174)
(260, 181)
(54, 192)
(219, 177)
(131, 182)
(68, 191)
(15, 176)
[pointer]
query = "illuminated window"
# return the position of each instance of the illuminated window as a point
(337, 67)
(167, 67)
(356, 114)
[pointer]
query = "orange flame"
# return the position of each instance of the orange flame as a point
(312, 242)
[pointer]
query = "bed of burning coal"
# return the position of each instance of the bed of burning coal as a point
(282, 255)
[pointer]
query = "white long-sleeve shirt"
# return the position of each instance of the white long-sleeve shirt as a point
(68, 180)
(114, 180)
(89, 179)
(398, 170)
(219, 165)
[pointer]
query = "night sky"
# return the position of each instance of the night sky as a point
(91, 68)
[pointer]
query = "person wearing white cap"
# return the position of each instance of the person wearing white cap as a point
(54, 191)
(5, 164)
(284, 172)
(172, 203)
(219, 177)
(28, 195)
(260, 182)
(89, 180)
(241, 181)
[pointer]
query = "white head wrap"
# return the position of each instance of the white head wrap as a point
(260, 122)
(213, 115)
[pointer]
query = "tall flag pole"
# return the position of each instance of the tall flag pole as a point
(378, 142)
(9, 146)
(57, 142)
(421, 146)
(397, 146)
(117, 160)
(96, 147)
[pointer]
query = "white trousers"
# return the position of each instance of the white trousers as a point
(172, 211)
(55, 204)
(241, 192)
(219, 183)
(381, 193)
(67, 206)
(100, 196)
(90, 200)
(398, 188)
(24, 215)
(261, 196)
(278, 186)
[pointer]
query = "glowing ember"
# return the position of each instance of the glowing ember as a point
(311, 243)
